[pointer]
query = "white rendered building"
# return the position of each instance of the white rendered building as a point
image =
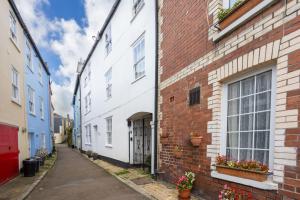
(118, 85)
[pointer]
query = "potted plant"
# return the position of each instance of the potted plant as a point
(184, 185)
(244, 169)
(164, 138)
(42, 153)
(89, 153)
(178, 151)
(229, 15)
(195, 139)
(94, 156)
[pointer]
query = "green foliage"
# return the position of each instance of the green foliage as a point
(148, 160)
(69, 135)
(224, 12)
(42, 153)
(122, 172)
(186, 181)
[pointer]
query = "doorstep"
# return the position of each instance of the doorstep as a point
(140, 181)
(20, 187)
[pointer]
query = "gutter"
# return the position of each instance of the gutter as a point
(154, 173)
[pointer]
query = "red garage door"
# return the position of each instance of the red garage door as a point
(9, 153)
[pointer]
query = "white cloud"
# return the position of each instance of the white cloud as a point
(73, 43)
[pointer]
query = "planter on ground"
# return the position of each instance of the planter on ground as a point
(29, 166)
(242, 173)
(185, 194)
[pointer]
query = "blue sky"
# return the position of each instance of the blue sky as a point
(66, 9)
(63, 31)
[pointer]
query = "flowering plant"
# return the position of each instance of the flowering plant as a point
(227, 193)
(186, 181)
(250, 165)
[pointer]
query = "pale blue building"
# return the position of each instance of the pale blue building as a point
(37, 91)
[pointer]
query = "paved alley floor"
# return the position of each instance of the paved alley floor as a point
(74, 177)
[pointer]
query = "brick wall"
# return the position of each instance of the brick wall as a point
(189, 58)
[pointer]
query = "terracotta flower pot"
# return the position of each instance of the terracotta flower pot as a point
(238, 12)
(196, 140)
(184, 194)
(178, 153)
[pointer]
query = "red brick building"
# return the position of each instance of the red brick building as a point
(236, 83)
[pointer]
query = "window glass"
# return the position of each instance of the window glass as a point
(15, 85)
(248, 118)
(139, 58)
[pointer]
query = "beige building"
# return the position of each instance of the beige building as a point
(12, 106)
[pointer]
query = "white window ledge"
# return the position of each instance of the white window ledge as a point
(243, 19)
(108, 146)
(266, 185)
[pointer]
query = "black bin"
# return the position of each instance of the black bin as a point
(29, 166)
(38, 163)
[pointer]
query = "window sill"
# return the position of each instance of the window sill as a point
(108, 146)
(243, 19)
(15, 44)
(266, 185)
(15, 101)
(32, 114)
(136, 80)
(136, 14)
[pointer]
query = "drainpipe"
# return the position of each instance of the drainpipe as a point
(154, 168)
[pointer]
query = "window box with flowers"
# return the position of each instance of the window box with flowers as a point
(236, 13)
(243, 169)
(239, 8)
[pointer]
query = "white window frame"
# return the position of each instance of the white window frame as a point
(13, 26)
(31, 101)
(108, 40)
(89, 71)
(109, 132)
(88, 134)
(43, 140)
(137, 44)
(88, 103)
(224, 105)
(42, 110)
(108, 79)
(29, 56)
(137, 6)
(15, 85)
(40, 73)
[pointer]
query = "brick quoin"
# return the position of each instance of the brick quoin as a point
(184, 32)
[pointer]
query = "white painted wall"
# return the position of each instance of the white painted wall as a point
(128, 96)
